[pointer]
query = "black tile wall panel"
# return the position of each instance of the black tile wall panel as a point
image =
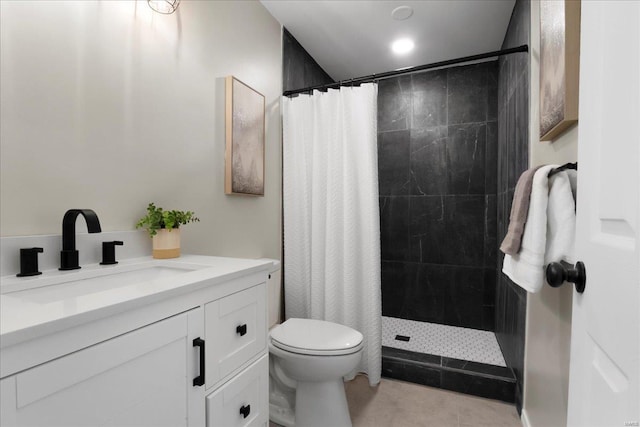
(394, 104)
(490, 230)
(492, 91)
(428, 161)
(429, 99)
(512, 160)
(414, 291)
(428, 230)
(411, 372)
(293, 58)
(491, 159)
(445, 178)
(465, 229)
(394, 291)
(447, 229)
(467, 94)
(464, 296)
(299, 69)
(394, 228)
(466, 158)
(478, 386)
(394, 175)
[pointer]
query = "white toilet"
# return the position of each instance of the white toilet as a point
(307, 360)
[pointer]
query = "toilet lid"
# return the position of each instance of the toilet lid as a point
(309, 336)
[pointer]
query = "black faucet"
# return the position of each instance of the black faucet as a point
(69, 254)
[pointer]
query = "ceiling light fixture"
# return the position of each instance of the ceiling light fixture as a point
(402, 46)
(165, 7)
(401, 13)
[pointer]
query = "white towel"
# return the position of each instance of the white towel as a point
(526, 267)
(549, 231)
(561, 219)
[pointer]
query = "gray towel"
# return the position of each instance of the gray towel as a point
(519, 210)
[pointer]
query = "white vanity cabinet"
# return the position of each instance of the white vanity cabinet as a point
(195, 359)
(141, 378)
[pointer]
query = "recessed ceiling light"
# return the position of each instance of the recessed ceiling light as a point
(402, 46)
(401, 13)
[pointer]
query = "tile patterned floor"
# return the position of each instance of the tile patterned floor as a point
(443, 340)
(398, 404)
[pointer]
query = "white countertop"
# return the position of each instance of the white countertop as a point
(38, 305)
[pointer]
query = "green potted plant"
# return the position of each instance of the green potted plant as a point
(164, 229)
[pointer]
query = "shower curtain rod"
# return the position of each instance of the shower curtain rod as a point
(388, 74)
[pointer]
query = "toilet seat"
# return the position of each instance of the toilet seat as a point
(316, 338)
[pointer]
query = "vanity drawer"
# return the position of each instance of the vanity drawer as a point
(236, 331)
(243, 401)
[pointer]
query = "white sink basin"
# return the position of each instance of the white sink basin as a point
(94, 280)
(78, 288)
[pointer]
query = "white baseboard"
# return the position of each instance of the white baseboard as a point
(524, 419)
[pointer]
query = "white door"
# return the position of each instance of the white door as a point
(605, 341)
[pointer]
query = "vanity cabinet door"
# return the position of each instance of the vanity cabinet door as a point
(236, 331)
(142, 378)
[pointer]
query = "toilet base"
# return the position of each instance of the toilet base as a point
(281, 416)
(322, 404)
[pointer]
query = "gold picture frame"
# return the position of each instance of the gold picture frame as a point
(245, 137)
(559, 66)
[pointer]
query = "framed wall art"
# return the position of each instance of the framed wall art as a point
(244, 154)
(559, 66)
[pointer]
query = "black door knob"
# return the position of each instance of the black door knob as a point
(557, 274)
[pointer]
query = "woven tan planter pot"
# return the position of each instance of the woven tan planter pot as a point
(166, 244)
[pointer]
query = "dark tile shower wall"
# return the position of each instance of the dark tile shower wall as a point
(299, 69)
(437, 166)
(513, 148)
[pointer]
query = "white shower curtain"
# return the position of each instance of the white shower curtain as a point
(331, 216)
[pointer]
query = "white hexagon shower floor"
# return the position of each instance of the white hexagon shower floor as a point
(443, 340)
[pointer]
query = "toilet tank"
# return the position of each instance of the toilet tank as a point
(274, 294)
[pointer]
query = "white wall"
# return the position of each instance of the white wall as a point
(108, 105)
(548, 333)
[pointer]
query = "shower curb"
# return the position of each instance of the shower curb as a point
(477, 379)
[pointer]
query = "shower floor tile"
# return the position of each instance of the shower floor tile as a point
(442, 340)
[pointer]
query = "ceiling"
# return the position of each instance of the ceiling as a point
(352, 38)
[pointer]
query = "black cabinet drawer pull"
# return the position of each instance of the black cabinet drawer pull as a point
(242, 329)
(199, 380)
(245, 411)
